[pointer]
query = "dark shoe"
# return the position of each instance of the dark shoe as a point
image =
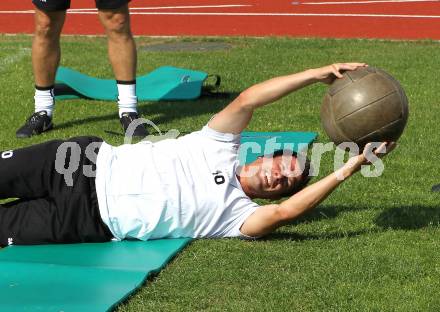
(127, 118)
(36, 124)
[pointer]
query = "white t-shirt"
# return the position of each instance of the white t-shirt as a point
(185, 187)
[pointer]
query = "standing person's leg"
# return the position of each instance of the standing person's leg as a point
(115, 18)
(46, 52)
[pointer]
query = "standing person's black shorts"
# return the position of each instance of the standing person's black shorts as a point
(52, 207)
(62, 5)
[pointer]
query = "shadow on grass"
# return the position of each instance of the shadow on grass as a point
(288, 236)
(328, 212)
(395, 218)
(323, 212)
(167, 111)
(409, 217)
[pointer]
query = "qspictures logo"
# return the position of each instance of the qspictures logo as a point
(315, 152)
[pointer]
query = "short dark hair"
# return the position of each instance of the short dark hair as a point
(305, 174)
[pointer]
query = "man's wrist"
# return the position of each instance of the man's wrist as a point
(313, 73)
(354, 165)
(350, 168)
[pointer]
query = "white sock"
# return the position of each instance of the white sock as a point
(44, 100)
(127, 99)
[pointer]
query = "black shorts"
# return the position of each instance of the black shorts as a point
(62, 5)
(55, 204)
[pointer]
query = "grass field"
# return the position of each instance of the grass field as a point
(372, 246)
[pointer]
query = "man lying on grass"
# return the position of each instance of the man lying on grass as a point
(186, 187)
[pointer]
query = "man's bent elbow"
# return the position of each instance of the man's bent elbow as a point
(245, 101)
(288, 214)
(284, 215)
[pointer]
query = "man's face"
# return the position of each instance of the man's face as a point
(271, 177)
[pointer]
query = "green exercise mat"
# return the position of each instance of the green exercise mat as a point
(78, 277)
(95, 277)
(165, 83)
(254, 144)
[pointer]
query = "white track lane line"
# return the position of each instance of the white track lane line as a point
(256, 14)
(279, 14)
(18, 12)
(363, 2)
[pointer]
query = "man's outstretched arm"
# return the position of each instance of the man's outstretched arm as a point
(268, 218)
(235, 117)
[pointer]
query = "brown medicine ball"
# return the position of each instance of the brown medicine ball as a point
(366, 105)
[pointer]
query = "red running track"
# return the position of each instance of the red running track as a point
(392, 19)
